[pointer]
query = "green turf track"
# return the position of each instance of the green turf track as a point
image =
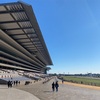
(82, 80)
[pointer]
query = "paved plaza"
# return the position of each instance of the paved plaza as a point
(66, 92)
(15, 94)
(40, 91)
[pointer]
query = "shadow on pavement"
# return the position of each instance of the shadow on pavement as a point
(48, 91)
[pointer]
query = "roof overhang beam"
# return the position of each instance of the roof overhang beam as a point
(7, 22)
(13, 11)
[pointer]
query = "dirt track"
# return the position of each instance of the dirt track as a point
(82, 85)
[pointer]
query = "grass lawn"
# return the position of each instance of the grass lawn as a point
(82, 80)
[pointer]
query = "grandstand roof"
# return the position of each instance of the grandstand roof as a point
(18, 21)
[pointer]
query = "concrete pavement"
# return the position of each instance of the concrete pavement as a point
(15, 94)
(66, 92)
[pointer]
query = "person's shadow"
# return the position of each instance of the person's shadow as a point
(48, 91)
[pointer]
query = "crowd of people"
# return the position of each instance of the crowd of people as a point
(10, 83)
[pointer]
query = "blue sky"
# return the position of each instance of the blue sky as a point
(71, 30)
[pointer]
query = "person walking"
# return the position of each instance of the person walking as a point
(56, 86)
(14, 82)
(8, 83)
(62, 81)
(53, 87)
(11, 83)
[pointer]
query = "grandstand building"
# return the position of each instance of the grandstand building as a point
(22, 46)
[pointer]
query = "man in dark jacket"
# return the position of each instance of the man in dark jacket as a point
(53, 86)
(56, 85)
